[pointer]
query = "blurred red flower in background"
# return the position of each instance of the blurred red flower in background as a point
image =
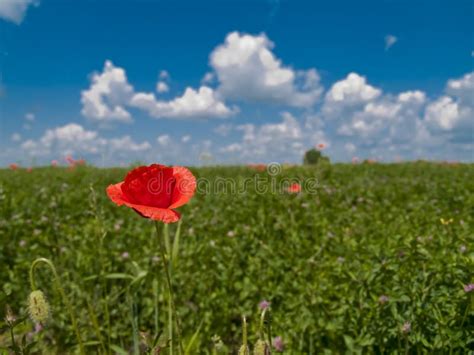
(155, 191)
(294, 188)
(14, 166)
(258, 167)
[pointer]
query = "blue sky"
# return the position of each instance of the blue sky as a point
(235, 81)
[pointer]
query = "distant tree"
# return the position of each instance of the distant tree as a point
(314, 157)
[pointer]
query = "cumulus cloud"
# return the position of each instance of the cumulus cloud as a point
(16, 137)
(248, 70)
(164, 75)
(203, 103)
(162, 87)
(452, 114)
(351, 91)
(105, 99)
(164, 140)
(110, 93)
(30, 117)
(208, 78)
(270, 141)
(15, 10)
(74, 139)
(390, 40)
(223, 129)
(126, 144)
(359, 116)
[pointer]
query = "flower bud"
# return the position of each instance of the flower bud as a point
(38, 306)
(261, 348)
(244, 350)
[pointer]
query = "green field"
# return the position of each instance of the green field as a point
(375, 259)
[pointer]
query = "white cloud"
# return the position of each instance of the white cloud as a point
(110, 93)
(268, 142)
(15, 10)
(30, 117)
(443, 113)
(208, 78)
(164, 140)
(453, 114)
(462, 88)
(203, 103)
(127, 144)
(162, 87)
(74, 139)
(16, 137)
(390, 40)
(248, 70)
(350, 148)
(231, 148)
(353, 90)
(223, 129)
(164, 75)
(185, 138)
(104, 101)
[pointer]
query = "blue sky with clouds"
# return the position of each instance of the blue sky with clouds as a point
(186, 82)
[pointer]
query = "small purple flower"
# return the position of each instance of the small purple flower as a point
(125, 255)
(383, 299)
(263, 305)
(38, 328)
(278, 344)
(406, 327)
(469, 287)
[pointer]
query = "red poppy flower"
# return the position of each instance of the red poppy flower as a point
(14, 166)
(155, 191)
(294, 188)
(321, 146)
(70, 160)
(258, 167)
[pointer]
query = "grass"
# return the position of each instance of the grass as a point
(362, 262)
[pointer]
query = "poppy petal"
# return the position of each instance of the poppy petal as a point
(115, 194)
(184, 188)
(159, 214)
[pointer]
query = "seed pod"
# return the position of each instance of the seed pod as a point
(38, 307)
(261, 348)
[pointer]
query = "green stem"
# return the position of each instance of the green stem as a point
(466, 312)
(244, 331)
(57, 282)
(261, 333)
(170, 290)
(12, 335)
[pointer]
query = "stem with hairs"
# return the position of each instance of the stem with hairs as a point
(58, 285)
(171, 303)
